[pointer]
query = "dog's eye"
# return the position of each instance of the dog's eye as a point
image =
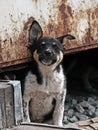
(43, 43)
(54, 44)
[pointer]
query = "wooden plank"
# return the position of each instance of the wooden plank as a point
(2, 108)
(94, 126)
(84, 123)
(18, 107)
(94, 120)
(39, 126)
(11, 110)
(88, 128)
(9, 105)
(1, 123)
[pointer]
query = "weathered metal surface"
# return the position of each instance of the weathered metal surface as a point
(57, 17)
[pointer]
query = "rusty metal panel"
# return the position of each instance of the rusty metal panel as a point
(57, 17)
(14, 21)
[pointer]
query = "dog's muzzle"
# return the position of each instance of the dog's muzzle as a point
(47, 57)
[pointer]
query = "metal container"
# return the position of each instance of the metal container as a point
(57, 17)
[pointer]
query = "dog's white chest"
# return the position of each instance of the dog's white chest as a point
(41, 96)
(52, 82)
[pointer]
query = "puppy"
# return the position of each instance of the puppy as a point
(45, 83)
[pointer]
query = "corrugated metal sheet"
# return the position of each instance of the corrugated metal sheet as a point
(57, 17)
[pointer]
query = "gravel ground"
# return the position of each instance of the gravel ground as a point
(80, 108)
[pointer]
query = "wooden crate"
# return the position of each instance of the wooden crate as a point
(11, 112)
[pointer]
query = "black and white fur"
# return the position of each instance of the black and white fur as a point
(45, 83)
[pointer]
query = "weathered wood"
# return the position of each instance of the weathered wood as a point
(18, 107)
(39, 126)
(11, 112)
(94, 120)
(84, 123)
(91, 124)
(2, 106)
(88, 128)
(9, 105)
(94, 126)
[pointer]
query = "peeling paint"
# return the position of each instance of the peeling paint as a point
(81, 28)
(82, 4)
(57, 17)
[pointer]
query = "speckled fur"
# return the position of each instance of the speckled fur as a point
(41, 96)
(45, 85)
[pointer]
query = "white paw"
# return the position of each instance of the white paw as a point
(26, 120)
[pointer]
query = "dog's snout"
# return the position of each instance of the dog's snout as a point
(48, 52)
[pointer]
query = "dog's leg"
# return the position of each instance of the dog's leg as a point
(26, 110)
(59, 109)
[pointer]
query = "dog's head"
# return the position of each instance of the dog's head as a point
(47, 51)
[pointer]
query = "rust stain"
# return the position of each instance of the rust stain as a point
(88, 38)
(8, 54)
(50, 27)
(68, 21)
(28, 23)
(0, 49)
(36, 1)
(13, 50)
(63, 24)
(65, 17)
(11, 42)
(1, 59)
(70, 11)
(96, 11)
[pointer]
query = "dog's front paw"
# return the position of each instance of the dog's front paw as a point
(58, 123)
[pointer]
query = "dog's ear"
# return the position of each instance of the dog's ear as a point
(63, 39)
(35, 32)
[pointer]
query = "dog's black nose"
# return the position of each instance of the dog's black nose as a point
(47, 52)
